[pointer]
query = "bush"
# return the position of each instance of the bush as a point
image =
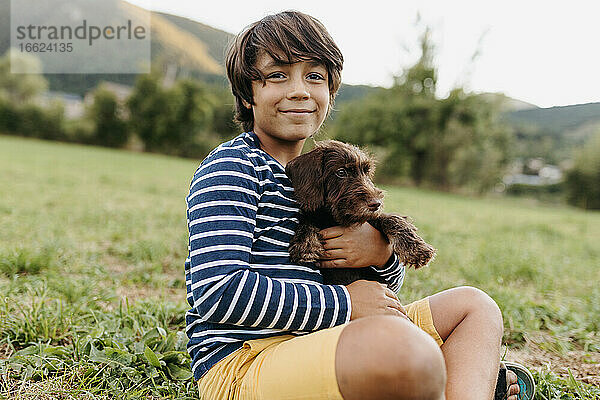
(582, 182)
(32, 121)
(43, 123)
(110, 129)
(80, 131)
(9, 117)
(172, 120)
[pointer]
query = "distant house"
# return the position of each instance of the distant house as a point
(539, 174)
(551, 174)
(522, 179)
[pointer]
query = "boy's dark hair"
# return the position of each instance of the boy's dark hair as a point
(288, 37)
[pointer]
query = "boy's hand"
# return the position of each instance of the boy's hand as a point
(355, 246)
(373, 298)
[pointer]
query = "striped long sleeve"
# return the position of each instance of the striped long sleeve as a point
(393, 273)
(241, 284)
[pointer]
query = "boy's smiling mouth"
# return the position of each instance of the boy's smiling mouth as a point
(297, 111)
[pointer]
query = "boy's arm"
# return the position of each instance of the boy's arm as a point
(222, 287)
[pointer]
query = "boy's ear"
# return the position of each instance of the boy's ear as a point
(306, 174)
(246, 104)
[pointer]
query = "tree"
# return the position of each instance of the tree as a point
(193, 118)
(582, 181)
(110, 128)
(456, 142)
(20, 88)
(148, 109)
(172, 120)
(19, 114)
(223, 123)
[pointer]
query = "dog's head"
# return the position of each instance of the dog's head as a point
(338, 177)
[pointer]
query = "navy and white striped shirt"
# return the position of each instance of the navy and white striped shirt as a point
(240, 282)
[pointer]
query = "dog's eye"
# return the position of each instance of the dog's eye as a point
(341, 173)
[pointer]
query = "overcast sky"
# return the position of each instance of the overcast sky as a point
(542, 52)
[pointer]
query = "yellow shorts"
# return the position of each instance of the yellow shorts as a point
(290, 367)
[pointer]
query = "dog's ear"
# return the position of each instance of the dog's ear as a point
(306, 174)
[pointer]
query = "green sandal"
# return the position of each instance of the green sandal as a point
(524, 379)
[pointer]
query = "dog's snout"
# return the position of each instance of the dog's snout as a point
(374, 205)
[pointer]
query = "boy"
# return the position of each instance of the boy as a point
(263, 328)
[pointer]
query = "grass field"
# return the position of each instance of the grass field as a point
(92, 244)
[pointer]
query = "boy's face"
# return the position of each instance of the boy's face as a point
(293, 102)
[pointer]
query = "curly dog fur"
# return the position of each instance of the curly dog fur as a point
(333, 186)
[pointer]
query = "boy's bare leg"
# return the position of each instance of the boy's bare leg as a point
(471, 325)
(387, 357)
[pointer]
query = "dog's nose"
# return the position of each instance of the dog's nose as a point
(374, 205)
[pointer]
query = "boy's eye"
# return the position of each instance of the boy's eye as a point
(315, 76)
(275, 75)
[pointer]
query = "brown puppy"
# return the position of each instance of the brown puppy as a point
(333, 186)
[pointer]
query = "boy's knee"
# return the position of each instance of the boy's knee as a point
(397, 357)
(400, 343)
(417, 361)
(481, 303)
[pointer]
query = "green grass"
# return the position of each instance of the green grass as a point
(92, 244)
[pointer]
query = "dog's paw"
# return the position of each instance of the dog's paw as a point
(410, 247)
(419, 257)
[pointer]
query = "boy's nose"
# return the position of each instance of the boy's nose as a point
(298, 91)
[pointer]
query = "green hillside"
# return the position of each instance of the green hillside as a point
(354, 92)
(505, 103)
(196, 49)
(215, 39)
(553, 133)
(554, 120)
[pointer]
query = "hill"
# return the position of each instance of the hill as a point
(557, 119)
(507, 104)
(354, 92)
(215, 39)
(553, 133)
(194, 48)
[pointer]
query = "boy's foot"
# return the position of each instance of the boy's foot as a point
(514, 383)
